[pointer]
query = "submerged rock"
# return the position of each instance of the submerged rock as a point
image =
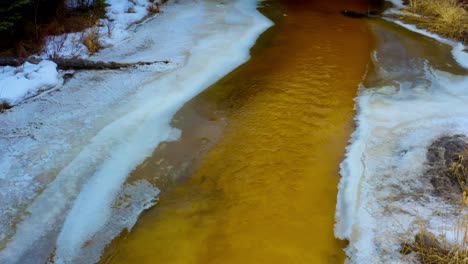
(445, 162)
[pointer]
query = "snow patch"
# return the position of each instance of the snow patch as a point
(17, 84)
(460, 53)
(397, 3)
(109, 31)
(27, 80)
(126, 13)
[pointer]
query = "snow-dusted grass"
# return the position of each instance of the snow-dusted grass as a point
(120, 15)
(19, 83)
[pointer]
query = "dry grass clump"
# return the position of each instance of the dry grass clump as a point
(153, 8)
(447, 18)
(429, 248)
(460, 169)
(4, 106)
(460, 166)
(91, 41)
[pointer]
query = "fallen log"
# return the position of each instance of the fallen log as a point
(15, 62)
(77, 64)
(354, 14)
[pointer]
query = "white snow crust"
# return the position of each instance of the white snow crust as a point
(20, 83)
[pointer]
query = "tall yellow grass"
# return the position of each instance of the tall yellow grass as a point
(447, 18)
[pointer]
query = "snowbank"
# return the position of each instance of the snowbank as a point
(19, 83)
(209, 39)
(120, 16)
(396, 3)
(126, 13)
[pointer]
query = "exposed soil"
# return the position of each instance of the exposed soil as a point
(442, 155)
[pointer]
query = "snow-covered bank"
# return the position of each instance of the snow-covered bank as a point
(384, 193)
(83, 141)
(121, 17)
(20, 83)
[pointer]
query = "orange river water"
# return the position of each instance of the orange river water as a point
(266, 191)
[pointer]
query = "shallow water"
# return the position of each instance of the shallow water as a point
(266, 191)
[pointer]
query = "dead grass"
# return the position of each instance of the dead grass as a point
(91, 41)
(432, 249)
(4, 106)
(447, 18)
(153, 8)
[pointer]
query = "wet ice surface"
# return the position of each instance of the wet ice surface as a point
(415, 94)
(66, 153)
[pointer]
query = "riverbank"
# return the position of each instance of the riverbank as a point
(418, 16)
(412, 99)
(67, 152)
(447, 18)
(83, 33)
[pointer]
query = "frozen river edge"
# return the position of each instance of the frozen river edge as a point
(68, 152)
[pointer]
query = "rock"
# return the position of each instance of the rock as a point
(442, 157)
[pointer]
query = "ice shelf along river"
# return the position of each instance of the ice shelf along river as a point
(232, 153)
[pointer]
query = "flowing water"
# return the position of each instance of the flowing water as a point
(254, 176)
